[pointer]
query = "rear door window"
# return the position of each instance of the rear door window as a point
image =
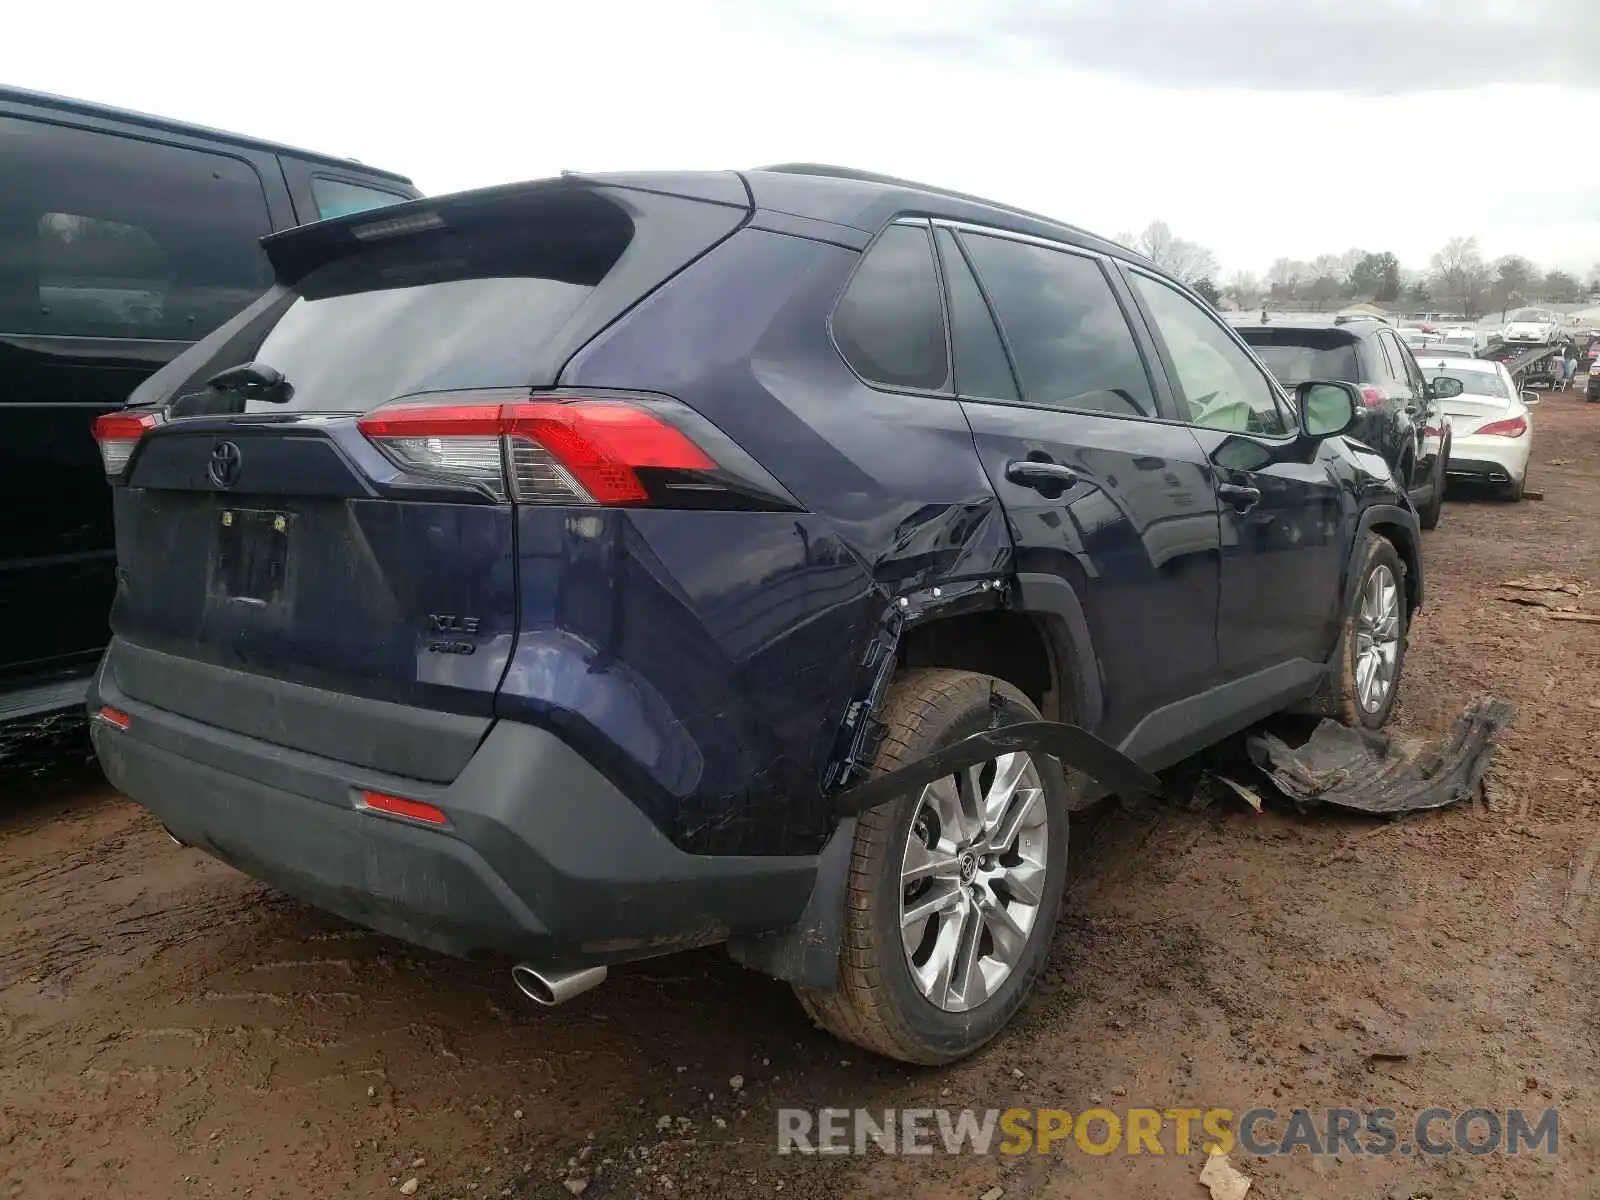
(1068, 337)
(889, 324)
(1406, 373)
(981, 369)
(110, 236)
(340, 197)
(1389, 361)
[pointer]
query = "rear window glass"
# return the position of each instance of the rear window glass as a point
(1476, 383)
(339, 198)
(1296, 355)
(436, 311)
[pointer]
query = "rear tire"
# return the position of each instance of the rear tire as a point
(1372, 639)
(1512, 492)
(1428, 518)
(888, 999)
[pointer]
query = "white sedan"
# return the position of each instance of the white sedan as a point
(1533, 325)
(1491, 427)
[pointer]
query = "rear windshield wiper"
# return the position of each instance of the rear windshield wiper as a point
(255, 381)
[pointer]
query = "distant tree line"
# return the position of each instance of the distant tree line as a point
(1458, 278)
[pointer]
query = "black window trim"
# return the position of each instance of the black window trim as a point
(151, 137)
(948, 391)
(1279, 394)
(1165, 412)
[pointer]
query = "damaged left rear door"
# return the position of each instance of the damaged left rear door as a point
(1099, 491)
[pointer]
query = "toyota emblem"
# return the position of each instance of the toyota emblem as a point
(223, 469)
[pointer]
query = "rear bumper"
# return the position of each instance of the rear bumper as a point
(1490, 460)
(542, 859)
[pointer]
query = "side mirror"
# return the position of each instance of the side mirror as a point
(1446, 387)
(1326, 409)
(1530, 398)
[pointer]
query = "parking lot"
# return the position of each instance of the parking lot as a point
(172, 1028)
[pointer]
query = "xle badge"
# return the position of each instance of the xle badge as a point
(449, 634)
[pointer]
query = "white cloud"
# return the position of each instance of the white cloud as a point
(471, 94)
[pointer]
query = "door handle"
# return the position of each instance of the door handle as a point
(1028, 473)
(1240, 497)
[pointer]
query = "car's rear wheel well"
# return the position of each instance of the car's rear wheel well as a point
(1010, 646)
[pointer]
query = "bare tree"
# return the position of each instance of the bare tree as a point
(1461, 276)
(1349, 261)
(1183, 259)
(1514, 278)
(1243, 288)
(1287, 272)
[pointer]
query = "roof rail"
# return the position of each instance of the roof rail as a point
(827, 171)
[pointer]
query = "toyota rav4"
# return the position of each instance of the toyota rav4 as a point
(550, 572)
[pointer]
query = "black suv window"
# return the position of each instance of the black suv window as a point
(108, 236)
(889, 324)
(981, 367)
(1068, 337)
(1296, 355)
(1405, 364)
(1387, 362)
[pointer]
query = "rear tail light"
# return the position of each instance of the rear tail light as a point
(117, 433)
(559, 450)
(1374, 397)
(1512, 427)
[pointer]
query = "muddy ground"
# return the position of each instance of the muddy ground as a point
(169, 1028)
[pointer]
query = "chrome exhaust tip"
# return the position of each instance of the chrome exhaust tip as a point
(550, 988)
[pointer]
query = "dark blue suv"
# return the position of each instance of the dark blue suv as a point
(531, 571)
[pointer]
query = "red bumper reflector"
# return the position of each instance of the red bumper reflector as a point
(399, 807)
(115, 716)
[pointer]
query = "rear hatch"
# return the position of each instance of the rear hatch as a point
(298, 567)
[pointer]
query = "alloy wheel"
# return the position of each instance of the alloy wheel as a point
(1377, 638)
(972, 879)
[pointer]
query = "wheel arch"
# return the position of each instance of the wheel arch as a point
(1400, 527)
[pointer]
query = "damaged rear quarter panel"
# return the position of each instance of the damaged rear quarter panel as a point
(900, 502)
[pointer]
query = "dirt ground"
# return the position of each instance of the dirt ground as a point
(169, 1028)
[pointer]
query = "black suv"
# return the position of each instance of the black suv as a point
(1400, 416)
(123, 239)
(601, 566)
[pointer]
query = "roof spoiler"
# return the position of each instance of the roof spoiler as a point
(297, 252)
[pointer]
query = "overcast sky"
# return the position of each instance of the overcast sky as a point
(1258, 128)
